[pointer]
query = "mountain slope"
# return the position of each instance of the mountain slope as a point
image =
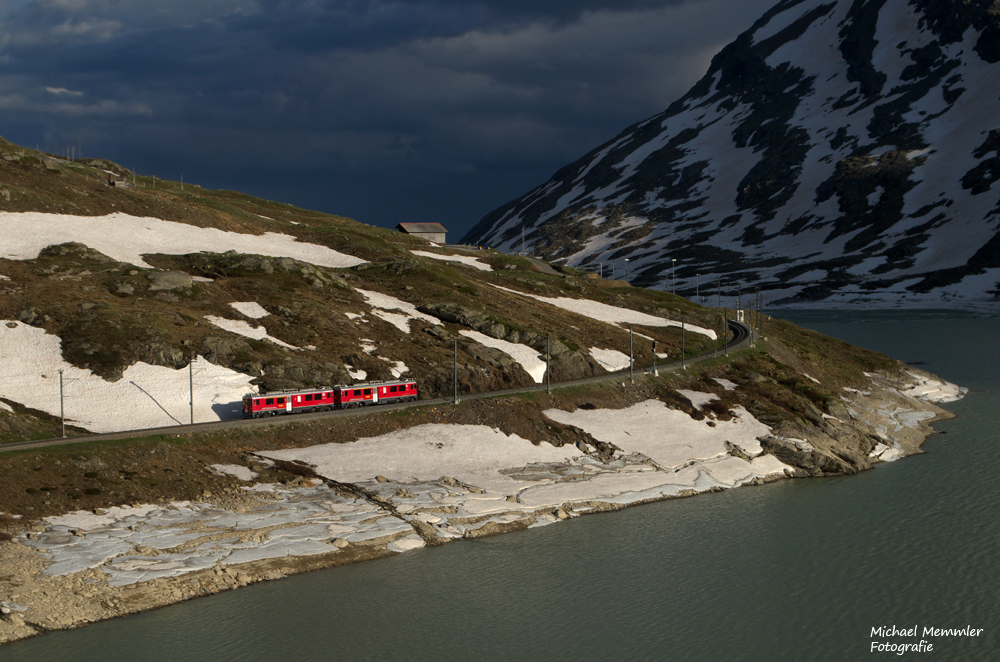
(121, 288)
(837, 151)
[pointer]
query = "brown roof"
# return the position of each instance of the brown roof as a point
(411, 228)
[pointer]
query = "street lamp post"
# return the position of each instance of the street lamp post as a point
(626, 270)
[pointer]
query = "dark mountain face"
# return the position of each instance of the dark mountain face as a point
(836, 152)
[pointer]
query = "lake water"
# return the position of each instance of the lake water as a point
(796, 570)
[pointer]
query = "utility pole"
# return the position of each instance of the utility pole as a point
(626, 270)
(191, 386)
(697, 294)
(62, 412)
(725, 327)
(631, 376)
(548, 364)
(655, 373)
(718, 291)
(456, 372)
(673, 275)
(522, 239)
(683, 349)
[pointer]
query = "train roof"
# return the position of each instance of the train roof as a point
(316, 389)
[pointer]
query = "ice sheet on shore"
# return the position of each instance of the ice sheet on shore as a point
(934, 390)
(185, 536)
(440, 481)
(146, 396)
(461, 478)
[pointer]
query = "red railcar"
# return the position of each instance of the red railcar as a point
(326, 398)
(373, 393)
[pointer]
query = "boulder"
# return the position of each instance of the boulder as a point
(169, 280)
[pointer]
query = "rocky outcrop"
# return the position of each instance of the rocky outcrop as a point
(232, 264)
(169, 280)
(566, 364)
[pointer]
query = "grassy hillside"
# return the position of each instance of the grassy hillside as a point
(110, 314)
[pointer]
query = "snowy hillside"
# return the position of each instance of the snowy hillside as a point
(837, 152)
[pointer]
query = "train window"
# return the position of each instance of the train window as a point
(329, 395)
(368, 391)
(281, 401)
(392, 389)
(309, 397)
(269, 401)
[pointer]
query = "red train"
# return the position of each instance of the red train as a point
(326, 398)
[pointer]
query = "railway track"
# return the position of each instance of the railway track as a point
(741, 338)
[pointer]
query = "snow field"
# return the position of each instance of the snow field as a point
(395, 312)
(463, 259)
(610, 314)
(610, 359)
(697, 398)
(237, 470)
(667, 436)
(146, 396)
(242, 328)
(526, 356)
(460, 478)
(126, 238)
(250, 309)
(397, 368)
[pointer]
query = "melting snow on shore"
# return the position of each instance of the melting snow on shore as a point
(441, 481)
(146, 396)
(463, 259)
(934, 390)
(610, 314)
(126, 238)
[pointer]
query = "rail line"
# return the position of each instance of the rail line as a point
(742, 337)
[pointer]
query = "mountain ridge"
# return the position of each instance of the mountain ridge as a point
(839, 151)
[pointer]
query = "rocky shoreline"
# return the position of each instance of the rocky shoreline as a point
(352, 505)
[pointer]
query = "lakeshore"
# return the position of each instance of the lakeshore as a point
(417, 486)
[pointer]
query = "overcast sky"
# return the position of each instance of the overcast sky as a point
(385, 111)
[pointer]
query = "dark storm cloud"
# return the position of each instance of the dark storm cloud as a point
(386, 111)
